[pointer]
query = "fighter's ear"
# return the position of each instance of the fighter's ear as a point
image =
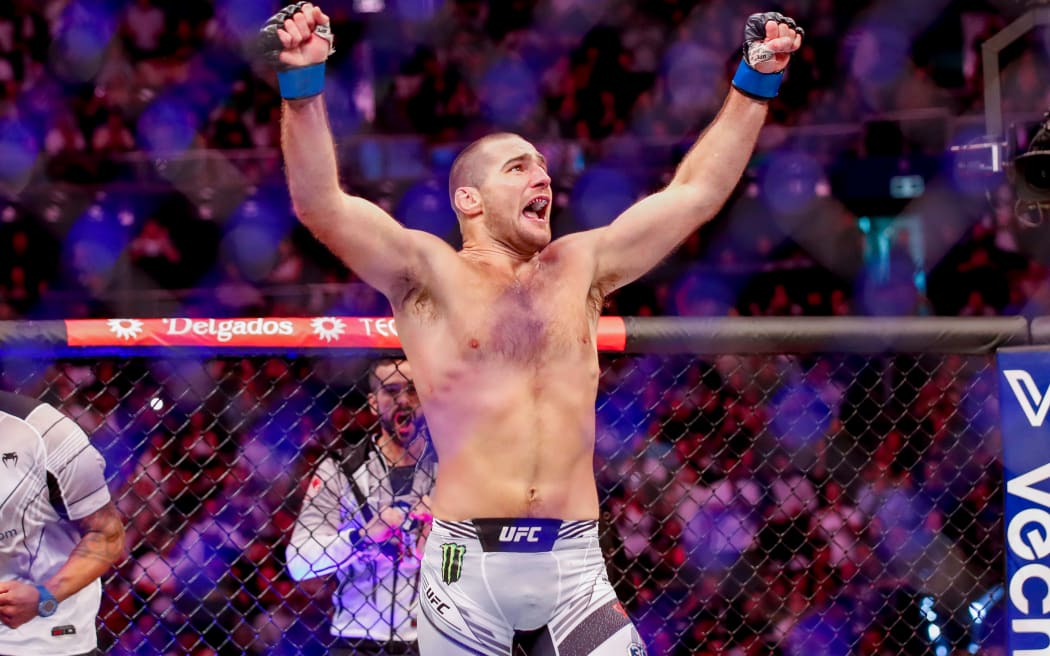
(467, 201)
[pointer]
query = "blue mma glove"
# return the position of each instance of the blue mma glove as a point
(295, 82)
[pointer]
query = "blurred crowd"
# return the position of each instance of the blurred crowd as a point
(141, 170)
(754, 505)
(778, 505)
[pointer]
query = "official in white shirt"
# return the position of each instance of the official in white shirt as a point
(59, 532)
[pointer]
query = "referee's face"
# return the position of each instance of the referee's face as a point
(395, 402)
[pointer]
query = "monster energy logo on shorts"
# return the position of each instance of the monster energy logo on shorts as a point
(452, 561)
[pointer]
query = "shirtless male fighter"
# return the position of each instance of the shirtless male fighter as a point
(501, 336)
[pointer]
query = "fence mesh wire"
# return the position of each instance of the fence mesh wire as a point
(809, 505)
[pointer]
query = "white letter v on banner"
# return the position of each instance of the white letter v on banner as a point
(1034, 403)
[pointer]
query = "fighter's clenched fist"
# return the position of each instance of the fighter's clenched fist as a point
(296, 41)
(769, 40)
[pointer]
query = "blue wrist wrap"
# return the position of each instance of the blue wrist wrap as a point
(302, 82)
(761, 86)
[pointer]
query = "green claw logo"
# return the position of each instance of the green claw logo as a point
(452, 562)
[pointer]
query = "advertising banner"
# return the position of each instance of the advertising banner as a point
(269, 332)
(1024, 400)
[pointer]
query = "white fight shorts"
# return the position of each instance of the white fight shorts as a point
(487, 585)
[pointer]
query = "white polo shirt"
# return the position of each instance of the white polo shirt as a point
(49, 472)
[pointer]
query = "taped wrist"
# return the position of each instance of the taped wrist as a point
(297, 83)
(760, 86)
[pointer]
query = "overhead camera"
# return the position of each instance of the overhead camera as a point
(1033, 176)
(1025, 153)
(1024, 157)
(1030, 172)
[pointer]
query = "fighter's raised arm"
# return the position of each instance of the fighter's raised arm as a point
(650, 229)
(297, 41)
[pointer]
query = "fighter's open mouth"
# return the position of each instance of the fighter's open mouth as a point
(537, 208)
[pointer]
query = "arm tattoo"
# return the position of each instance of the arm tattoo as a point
(102, 536)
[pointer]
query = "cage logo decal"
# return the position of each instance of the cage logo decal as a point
(328, 328)
(1034, 403)
(125, 328)
(10, 459)
(452, 561)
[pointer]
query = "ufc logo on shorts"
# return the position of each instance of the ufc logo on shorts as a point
(519, 533)
(1034, 403)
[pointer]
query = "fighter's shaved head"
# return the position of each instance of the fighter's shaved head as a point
(467, 168)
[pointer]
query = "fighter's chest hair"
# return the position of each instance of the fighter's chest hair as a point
(518, 313)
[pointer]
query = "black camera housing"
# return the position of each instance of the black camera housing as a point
(1030, 171)
(1031, 176)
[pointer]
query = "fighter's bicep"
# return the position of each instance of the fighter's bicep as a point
(648, 231)
(372, 243)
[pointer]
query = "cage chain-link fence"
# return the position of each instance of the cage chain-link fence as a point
(753, 504)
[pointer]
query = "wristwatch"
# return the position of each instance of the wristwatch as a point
(47, 604)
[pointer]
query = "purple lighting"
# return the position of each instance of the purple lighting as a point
(84, 33)
(18, 151)
(877, 53)
(600, 195)
(789, 182)
(167, 127)
(508, 92)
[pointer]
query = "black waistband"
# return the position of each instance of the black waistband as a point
(519, 535)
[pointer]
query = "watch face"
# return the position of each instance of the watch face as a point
(47, 607)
